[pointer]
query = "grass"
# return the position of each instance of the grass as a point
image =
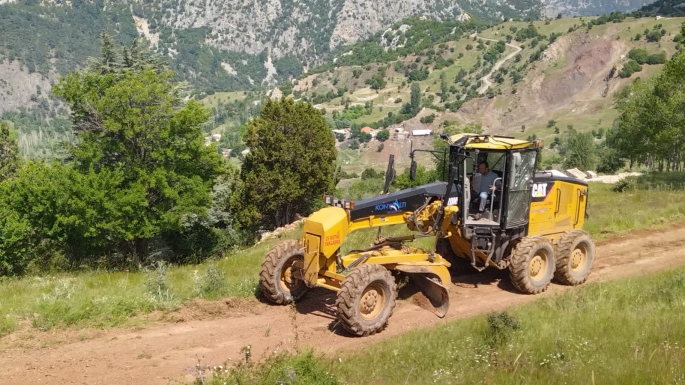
(657, 202)
(110, 299)
(620, 332)
(227, 97)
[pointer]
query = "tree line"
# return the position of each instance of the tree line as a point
(139, 184)
(650, 129)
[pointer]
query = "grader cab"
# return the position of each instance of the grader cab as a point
(527, 222)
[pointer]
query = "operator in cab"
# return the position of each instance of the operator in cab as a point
(484, 182)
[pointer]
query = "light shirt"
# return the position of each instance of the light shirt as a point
(486, 181)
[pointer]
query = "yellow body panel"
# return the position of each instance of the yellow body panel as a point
(324, 231)
(562, 209)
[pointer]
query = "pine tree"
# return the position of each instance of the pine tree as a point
(415, 98)
(9, 152)
(289, 166)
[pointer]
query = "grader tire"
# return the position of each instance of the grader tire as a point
(532, 265)
(366, 299)
(275, 277)
(574, 257)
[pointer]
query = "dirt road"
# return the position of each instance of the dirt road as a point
(166, 353)
(485, 80)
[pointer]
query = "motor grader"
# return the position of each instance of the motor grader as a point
(532, 226)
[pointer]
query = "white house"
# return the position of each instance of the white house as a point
(421, 132)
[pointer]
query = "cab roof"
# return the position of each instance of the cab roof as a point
(490, 142)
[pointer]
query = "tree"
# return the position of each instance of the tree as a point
(653, 36)
(609, 161)
(444, 89)
(579, 150)
(649, 129)
(415, 98)
(382, 135)
(639, 55)
(370, 173)
(629, 68)
(376, 82)
(657, 58)
(9, 152)
(133, 124)
(289, 167)
(428, 118)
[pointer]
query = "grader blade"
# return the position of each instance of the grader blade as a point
(431, 280)
(437, 294)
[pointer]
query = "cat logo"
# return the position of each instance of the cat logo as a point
(452, 201)
(539, 190)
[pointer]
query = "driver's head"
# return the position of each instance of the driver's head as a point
(483, 168)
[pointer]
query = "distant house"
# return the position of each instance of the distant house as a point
(366, 130)
(343, 132)
(421, 132)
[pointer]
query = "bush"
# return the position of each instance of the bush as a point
(428, 118)
(639, 55)
(625, 184)
(210, 284)
(653, 36)
(370, 173)
(609, 161)
(501, 326)
(383, 135)
(658, 58)
(630, 68)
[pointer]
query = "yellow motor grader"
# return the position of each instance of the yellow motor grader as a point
(532, 226)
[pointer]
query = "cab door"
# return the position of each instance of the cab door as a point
(519, 180)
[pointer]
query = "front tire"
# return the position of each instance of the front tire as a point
(575, 256)
(276, 279)
(366, 299)
(532, 265)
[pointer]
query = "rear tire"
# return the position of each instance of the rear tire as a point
(532, 265)
(366, 299)
(275, 277)
(575, 256)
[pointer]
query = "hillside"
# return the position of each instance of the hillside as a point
(540, 79)
(226, 45)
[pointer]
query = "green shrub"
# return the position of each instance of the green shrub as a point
(657, 58)
(501, 327)
(630, 68)
(626, 184)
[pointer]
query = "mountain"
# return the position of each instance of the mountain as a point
(673, 8)
(249, 45)
(568, 8)
(234, 44)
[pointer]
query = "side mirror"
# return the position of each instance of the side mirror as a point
(412, 170)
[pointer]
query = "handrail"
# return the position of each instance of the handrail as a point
(492, 199)
(556, 211)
